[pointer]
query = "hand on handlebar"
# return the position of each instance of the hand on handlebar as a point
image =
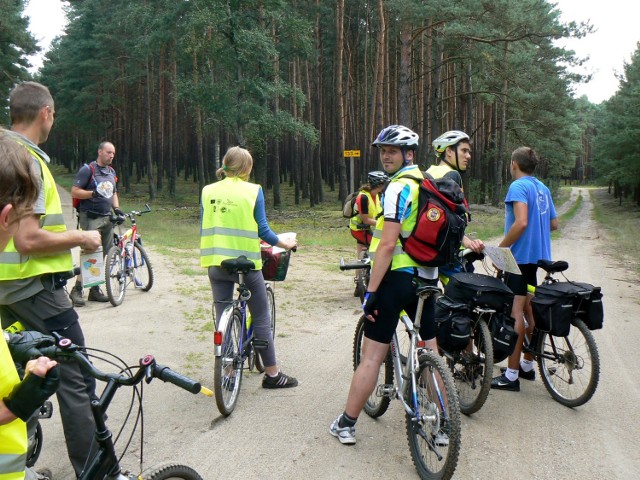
(476, 245)
(23, 346)
(41, 381)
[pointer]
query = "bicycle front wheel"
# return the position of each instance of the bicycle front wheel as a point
(570, 366)
(472, 369)
(228, 366)
(271, 300)
(142, 269)
(170, 471)
(375, 406)
(115, 276)
(433, 431)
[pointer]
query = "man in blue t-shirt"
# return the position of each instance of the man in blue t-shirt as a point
(529, 218)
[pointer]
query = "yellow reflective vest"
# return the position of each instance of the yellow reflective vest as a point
(13, 435)
(228, 227)
(401, 259)
(14, 265)
(355, 223)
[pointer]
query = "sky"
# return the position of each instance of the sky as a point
(608, 48)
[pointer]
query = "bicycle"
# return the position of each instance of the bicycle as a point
(105, 463)
(233, 340)
(127, 261)
(422, 382)
(361, 279)
(569, 365)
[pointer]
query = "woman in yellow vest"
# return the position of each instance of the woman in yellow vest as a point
(18, 400)
(233, 222)
(367, 208)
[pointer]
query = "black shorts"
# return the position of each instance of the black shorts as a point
(397, 292)
(518, 283)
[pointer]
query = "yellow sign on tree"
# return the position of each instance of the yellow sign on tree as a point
(352, 153)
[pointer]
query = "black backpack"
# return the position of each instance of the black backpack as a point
(442, 219)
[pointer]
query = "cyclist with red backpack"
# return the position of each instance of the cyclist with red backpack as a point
(453, 153)
(391, 286)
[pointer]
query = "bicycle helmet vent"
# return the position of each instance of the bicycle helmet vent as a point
(448, 139)
(377, 178)
(398, 136)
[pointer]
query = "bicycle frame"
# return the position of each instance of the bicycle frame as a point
(246, 332)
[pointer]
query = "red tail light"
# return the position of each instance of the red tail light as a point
(217, 338)
(420, 344)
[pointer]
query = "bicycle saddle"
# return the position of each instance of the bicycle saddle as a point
(550, 266)
(238, 265)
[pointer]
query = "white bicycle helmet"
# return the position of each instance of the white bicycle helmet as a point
(398, 136)
(377, 178)
(448, 139)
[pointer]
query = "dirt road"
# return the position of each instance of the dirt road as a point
(284, 434)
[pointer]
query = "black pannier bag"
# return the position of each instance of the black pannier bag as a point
(589, 308)
(453, 325)
(479, 290)
(553, 307)
(503, 335)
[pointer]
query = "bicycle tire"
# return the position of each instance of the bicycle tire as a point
(472, 369)
(142, 267)
(115, 276)
(271, 300)
(362, 282)
(35, 446)
(227, 386)
(434, 461)
(170, 471)
(572, 377)
(375, 406)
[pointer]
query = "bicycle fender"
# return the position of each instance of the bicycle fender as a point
(221, 328)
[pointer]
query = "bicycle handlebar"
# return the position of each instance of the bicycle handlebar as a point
(359, 265)
(148, 370)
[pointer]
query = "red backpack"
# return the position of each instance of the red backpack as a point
(76, 201)
(442, 219)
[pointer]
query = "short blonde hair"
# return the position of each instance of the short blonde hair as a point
(237, 162)
(19, 181)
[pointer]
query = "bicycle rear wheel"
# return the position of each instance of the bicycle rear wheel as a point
(570, 366)
(170, 471)
(272, 314)
(115, 276)
(228, 366)
(143, 270)
(434, 431)
(472, 369)
(375, 406)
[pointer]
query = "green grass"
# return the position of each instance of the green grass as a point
(621, 225)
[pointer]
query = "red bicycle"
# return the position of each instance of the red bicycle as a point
(127, 261)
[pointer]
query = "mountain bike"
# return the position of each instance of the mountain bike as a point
(569, 365)
(105, 463)
(233, 340)
(127, 261)
(422, 382)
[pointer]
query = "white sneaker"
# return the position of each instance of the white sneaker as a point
(346, 435)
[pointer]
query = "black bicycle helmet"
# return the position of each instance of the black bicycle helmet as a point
(398, 136)
(377, 178)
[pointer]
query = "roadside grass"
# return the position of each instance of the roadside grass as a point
(621, 224)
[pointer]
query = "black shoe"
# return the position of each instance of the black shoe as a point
(503, 383)
(279, 381)
(530, 375)
(95, 295)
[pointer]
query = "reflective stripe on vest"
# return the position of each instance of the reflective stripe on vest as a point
(400, 259)
(13, 435)
(228, 228)
(15, 266)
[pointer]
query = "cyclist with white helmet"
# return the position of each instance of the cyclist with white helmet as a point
(453, 150)
(391, 285)
(366, 209)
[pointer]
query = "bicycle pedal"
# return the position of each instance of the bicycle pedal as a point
(385, 390)
(259, 344)
(46, 410)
